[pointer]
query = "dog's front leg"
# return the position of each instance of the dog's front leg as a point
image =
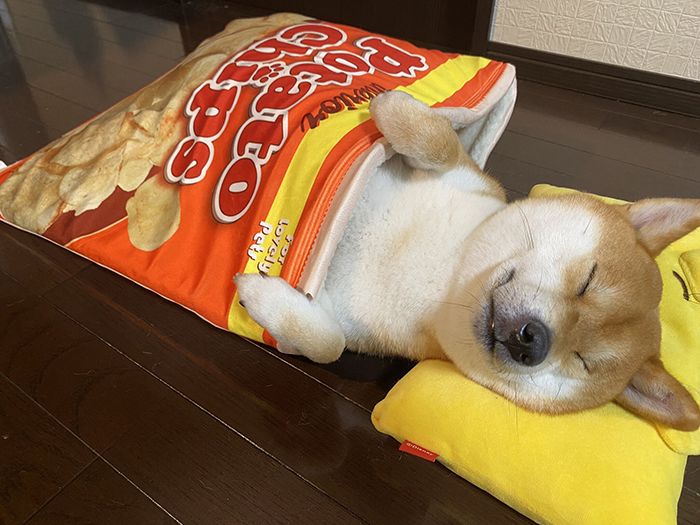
(425, 138)
(427, 141)
(299, 324)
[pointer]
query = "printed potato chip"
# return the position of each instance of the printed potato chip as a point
(154, 214)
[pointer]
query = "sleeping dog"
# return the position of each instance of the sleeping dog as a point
(551, 302)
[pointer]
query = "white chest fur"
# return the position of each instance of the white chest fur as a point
(395, 261)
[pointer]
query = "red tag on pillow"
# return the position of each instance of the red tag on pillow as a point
(414, 449)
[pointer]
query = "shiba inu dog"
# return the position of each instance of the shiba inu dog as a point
(551, 302)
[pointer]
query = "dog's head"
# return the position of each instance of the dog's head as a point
(555, 306)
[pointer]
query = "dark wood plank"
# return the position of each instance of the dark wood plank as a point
(38, 457)
(59, 114)
(531, 101)
(87, 93)
(66, 23)
(643, 143)
(666, 92)
(306, 425)
(306, 416)
(5, 155)
(89, 48)
(521, 176)
(675, 139)
(100, 495)
(45, 52)
(179, 450)
(152, 22)
(16, 301)
(105, 10)
(689, 504)
(692, 474)
(44, 115)
(115, 76)
(21, 135)
(36, 263)
(614, 106)
(689, 508)
(594, 173)
(200, 20)
(90, 388)
(364, 379)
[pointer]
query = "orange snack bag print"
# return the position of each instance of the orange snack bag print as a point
(237, 160)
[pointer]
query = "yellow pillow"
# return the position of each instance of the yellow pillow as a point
(602, 466)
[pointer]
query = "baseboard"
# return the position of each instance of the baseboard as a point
(671, 94)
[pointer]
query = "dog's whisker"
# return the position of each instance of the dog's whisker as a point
(561, 385)
(539, 286)
(470, 294)
(481, 283)
(528, 229)
(450, 303)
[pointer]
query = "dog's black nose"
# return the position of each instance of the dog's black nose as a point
(528, 345)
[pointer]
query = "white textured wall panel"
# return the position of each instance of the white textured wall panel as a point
(662, 36)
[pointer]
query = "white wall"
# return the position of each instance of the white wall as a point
(655, 35)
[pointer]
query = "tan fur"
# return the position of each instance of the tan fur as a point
(617, 316)
(434, 264)
(494, 187)
(429, 143)
(432, 144)
(604, 339)
(601, 341)
(652, 381)
(659, 222)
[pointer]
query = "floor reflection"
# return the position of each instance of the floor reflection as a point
(20, 125)
(64, 61)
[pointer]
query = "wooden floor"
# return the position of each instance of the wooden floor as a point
(119, 407)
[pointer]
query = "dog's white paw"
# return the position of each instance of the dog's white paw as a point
(299, 324)
(258, 294)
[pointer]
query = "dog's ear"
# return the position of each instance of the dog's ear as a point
(659, 222)
(656, 395)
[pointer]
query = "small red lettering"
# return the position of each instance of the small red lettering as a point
(282, 94)
(189, 162)
(236, 189)
(345, 62)
(390, 59)
(271, 49)
(261, 137)
(236, 73)
(319, 74)
(421, 452)
(317, 36)
(209, 109)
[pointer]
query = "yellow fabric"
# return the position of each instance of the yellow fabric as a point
(602, 466)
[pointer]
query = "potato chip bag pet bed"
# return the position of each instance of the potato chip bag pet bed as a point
(599, 467)
(248, 156)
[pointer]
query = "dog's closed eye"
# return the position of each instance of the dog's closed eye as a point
(508, 278)
(587, 282)
(583, 362)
